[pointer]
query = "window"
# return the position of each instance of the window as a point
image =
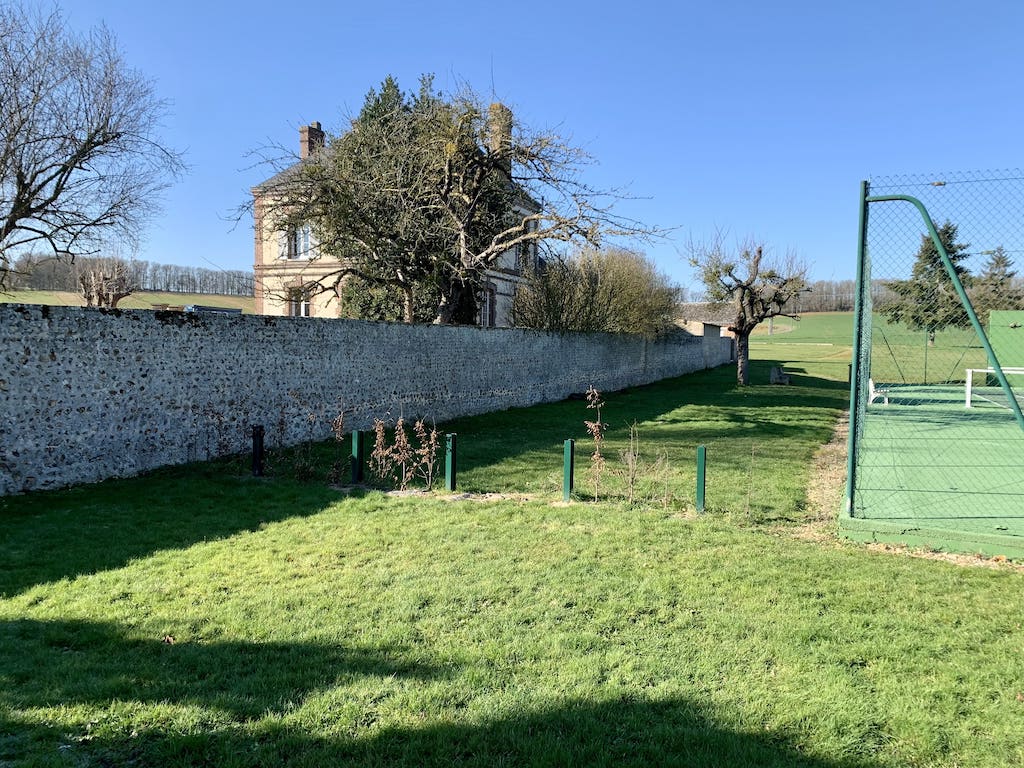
(297, 243)
(526, 251)
(488, 316)
(299, 303)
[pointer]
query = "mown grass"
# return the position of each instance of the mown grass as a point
(201, 617)
(899, 355)
(138, 300)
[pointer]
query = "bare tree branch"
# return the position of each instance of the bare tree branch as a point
(755, 290)
(80, 160)
(426, 192)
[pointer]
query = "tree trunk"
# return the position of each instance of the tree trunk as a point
(408, 305)
(458, 304)
(742, 358)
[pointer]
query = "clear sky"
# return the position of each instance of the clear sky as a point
(757, 119)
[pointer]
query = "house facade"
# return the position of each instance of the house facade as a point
(292, 278)
(288, 269)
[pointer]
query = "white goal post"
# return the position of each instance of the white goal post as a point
(970, 380)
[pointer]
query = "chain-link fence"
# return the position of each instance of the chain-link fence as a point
(937, 434)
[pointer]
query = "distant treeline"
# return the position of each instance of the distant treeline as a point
(49, 274)
(828, 296)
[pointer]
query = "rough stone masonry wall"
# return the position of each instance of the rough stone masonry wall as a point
(91, 394)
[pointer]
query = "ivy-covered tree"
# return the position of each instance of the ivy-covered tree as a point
(928, 301)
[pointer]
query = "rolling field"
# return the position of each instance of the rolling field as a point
(139, 300)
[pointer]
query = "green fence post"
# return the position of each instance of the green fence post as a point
(449, 462)
(358, 459)
(856, 373)
(702, 459)
(568, 465)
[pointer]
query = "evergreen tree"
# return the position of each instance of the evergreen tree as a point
(928, 300)
(996, 287)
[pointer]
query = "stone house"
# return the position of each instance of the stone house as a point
(696, 314)
(289, 270)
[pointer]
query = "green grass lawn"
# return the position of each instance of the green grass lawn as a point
(813, 327)
(138, 300)
(199, 616)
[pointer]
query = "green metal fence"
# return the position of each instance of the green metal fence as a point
(937, 378)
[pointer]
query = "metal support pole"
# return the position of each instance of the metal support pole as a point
(257, 450)
(702, 460)
(856, 361)
(449, 462)
(568, 465)
(358, 461)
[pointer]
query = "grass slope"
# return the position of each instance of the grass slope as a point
(138, 300)
(201, 617)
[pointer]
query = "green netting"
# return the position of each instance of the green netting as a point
(937, 437)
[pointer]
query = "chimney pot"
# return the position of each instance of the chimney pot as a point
(499, 139)
(311, 138)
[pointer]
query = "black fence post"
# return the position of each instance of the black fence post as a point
(257, 450)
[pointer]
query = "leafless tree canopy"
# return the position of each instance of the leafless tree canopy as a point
(435, 189)
(80, 159)
(755, 289)
(105, 284)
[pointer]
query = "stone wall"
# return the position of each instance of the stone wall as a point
(90, 394)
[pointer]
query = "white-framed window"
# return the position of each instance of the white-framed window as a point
(296, 243)
(488, 315)
(299, 304)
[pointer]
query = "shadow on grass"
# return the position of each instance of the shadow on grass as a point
(253, 694)
(496, 437)
(51, 535)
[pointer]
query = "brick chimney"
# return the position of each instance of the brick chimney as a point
(311, 138)
(499, 133)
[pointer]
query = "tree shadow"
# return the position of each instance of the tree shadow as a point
(497, 437)
(252, 687)
(51, 535)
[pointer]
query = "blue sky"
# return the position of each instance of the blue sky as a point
(755, 119)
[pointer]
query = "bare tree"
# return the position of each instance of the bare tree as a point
(755, 290)
(104, 282)
(79, 154)
(427, 192)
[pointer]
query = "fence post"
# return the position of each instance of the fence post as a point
(702, 456)
(257, 450)
(358, 458)
(568, 466)
(449, 462)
